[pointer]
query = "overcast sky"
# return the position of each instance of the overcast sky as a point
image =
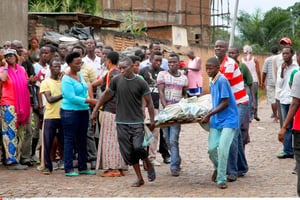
(251, 5)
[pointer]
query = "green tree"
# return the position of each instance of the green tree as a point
(264, 30)
(82, 6)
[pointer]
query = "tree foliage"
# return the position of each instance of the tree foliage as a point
(82, 6)
(264, 30)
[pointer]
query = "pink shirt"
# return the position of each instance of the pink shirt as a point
(194, 77)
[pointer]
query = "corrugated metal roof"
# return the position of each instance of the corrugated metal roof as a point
(86, 19)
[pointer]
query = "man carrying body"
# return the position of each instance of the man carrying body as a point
(223, 121)
(130, 90)
(237, 164)
(172, 87)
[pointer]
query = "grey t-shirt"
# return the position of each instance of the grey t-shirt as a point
(129, 94)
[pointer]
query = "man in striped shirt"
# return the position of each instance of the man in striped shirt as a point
(237, 163)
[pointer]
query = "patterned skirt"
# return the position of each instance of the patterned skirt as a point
(12, 134)
(109, 156)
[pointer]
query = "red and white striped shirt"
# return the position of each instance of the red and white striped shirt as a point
(230, 69)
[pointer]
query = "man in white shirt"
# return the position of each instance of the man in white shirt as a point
(91, 58)
(283, 78)
(276, 64)
(155, 47)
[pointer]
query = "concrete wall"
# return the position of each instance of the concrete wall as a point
(14, 21)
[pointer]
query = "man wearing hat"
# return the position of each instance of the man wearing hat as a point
(277, 62)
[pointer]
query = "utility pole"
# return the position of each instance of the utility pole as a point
(231, 41)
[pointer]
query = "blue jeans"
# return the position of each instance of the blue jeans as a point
(255, 88)
(221, 138)
(287, 144)
(237, 163)
(171, 135)
(75, 126)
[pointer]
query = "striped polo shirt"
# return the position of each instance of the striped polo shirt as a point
(230, 69)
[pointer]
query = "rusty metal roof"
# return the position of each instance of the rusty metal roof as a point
(85, 19)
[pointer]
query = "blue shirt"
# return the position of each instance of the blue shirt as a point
(74, 93)
(146, 63)
(229, 117)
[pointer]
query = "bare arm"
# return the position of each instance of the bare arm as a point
(50, 98)
(184, 92)
(3, 76)
(258, 71)
(292, 111)
(150, 106)
(224, 104)
(94, 84)
(161, 90)
(104, 98)
(264, 79)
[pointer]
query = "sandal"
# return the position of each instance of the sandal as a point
(231, 178)
(152, 176)
(138, 183)
(222, 186)
(111, 174)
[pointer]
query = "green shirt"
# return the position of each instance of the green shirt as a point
(247, 77)
(292, 75)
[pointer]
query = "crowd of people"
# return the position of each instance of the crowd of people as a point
(66, 106)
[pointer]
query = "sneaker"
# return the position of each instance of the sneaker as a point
(61, 164)
(38, 167)
(155, 162)
(175, 172)
(55, 165)
(46, 171)
(87, 172)
(17, 167)
(283, 155)
(35, 159)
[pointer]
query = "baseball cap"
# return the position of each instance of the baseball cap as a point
(9, 51)
(285, 40)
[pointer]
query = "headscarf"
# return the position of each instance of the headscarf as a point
(22, 106)
(248, 50)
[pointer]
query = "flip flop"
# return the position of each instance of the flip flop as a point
(152, 176)
(222, 186)
(138, 184)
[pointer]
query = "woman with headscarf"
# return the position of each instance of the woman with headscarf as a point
(253, 66)
(15, 108)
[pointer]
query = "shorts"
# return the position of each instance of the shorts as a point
(271, 94)
(195, 91)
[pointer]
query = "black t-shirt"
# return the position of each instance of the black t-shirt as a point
(150, 76)
(110, 106)
(129, 94)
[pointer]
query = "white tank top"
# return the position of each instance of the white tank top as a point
(251, 66)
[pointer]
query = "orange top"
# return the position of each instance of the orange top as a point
(8, 92)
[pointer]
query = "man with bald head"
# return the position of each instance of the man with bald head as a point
(237, 164)
(6, 45)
